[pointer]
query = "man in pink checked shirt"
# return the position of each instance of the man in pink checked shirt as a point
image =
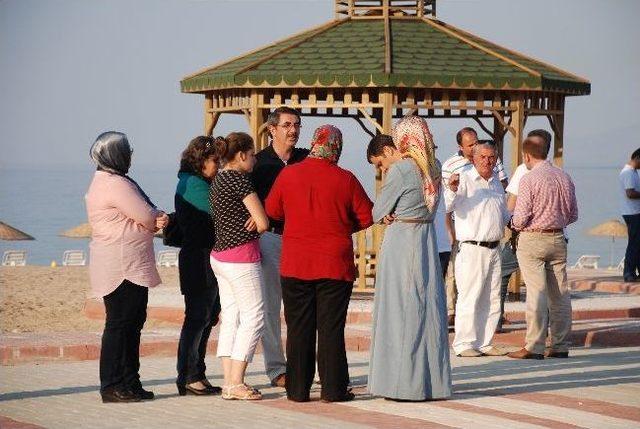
(546, 204)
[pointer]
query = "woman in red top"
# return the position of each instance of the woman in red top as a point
(324, 205)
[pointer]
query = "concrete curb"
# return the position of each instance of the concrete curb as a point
(608, 285)
(604, 334)
(95, 310)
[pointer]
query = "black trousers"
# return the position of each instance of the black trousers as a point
(632, 255)
(444, 263)
(126, 309)
(312, 306)
(201, 311)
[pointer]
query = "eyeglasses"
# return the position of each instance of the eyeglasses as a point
(289, 125)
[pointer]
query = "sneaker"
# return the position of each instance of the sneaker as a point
(493, 351)
(469, 353)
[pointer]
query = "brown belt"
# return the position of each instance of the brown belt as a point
(546, 231)
(413, 220)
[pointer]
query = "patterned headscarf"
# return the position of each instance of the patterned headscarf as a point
(413, 139)
(326, 143)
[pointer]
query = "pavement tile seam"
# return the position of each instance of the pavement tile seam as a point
(509, 415)
(581, 367)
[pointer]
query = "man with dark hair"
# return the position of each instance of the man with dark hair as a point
(630, 208)
(509, 260)
(460, 161)
(544, 137)
(382, 152)
(283, 125)
(546, 204)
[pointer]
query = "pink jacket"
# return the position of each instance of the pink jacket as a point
(122, 226)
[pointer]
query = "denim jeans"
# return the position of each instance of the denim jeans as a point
(201, 310)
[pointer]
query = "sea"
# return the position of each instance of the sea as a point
(45, 202)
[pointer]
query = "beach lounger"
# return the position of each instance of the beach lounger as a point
(167, 258)
(587, 261)
(75, 258)
(14, 258)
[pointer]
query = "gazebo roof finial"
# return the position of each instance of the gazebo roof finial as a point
(372, 9)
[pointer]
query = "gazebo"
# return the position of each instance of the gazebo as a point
(383, 59)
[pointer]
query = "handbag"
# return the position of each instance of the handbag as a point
(172, 234)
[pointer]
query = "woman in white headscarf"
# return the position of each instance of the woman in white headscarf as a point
(409, 346)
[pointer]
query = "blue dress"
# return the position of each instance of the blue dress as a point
(409, 345)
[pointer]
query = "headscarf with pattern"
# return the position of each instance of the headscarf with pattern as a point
(326, 143)
(413, 139)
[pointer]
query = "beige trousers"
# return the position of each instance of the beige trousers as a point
(543, 263)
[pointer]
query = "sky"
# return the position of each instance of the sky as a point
(70, 69)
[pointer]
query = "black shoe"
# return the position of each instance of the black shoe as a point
(631, 279)
(347, 396)
(188, 390)
(214, 390)
(549, 353)
(145, 395)
(117, 395)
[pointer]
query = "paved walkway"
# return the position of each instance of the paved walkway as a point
(595, 388)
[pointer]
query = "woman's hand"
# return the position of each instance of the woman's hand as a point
(162, 220)
(388, 219)
(250, 224)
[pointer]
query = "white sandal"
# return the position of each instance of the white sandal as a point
(248, 393)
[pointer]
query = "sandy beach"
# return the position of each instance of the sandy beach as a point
(45, 299)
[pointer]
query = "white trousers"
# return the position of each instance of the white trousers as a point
(242, 313)
(478, 306)
(271, 249)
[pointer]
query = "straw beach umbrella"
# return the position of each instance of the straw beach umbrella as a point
(9, 233)
(84, 231)
(81, 231)
(612, 228)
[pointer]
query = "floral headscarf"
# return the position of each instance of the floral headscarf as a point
(326, 143)
(413, 139)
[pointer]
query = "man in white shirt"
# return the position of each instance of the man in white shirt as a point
(460, 161)
(630, 208)
(476, 198)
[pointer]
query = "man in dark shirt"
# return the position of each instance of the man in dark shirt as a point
(284, 127)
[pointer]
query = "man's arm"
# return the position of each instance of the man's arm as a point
(453, 192)
(449, 225)
(524, 206)
(629, 181)
(632, 193)
(511, 202)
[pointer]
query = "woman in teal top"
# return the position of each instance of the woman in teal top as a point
(198, 166)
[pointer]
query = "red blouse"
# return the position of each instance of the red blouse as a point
(323, 205)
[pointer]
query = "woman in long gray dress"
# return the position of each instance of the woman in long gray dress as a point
(409, 347)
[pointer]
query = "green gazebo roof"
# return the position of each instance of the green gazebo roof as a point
(418, 53)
